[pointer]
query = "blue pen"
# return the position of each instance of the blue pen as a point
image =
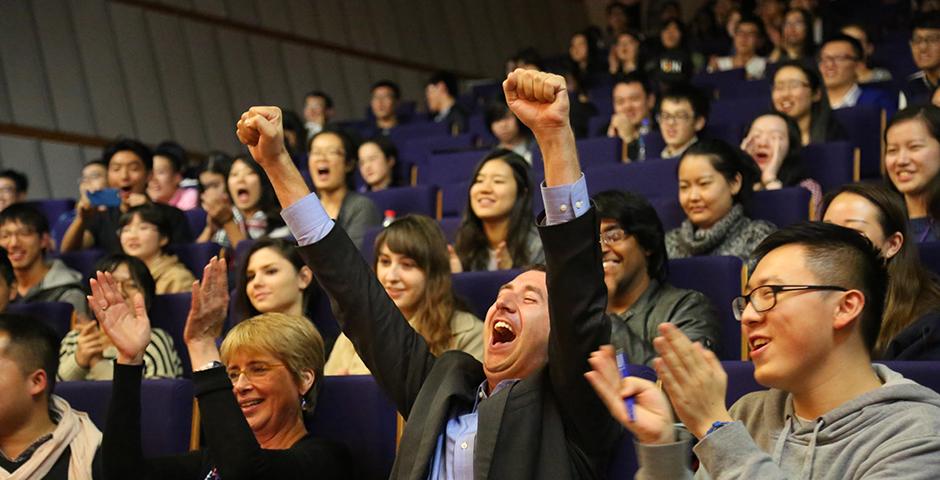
(624, 373)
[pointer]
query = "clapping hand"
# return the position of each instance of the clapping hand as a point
(128, 327)
(207, 313)
(653, 422)
(693, 378)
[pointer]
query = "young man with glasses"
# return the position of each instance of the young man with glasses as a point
(635, 269)
(838, 60)
(925, 48)
(811, 317)
(683, 112)
(24, 233)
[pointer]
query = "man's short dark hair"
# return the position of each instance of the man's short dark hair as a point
(327, 100)
(928, 21)
(396, 90)
(637, 217)
(26, 215)
(33, 345)
(634, 77)
(6, 268)
(174, 151)
(19, 179)
(449, 79)
(695, 97)
(857, 47)
(139, 149)
(838, 256)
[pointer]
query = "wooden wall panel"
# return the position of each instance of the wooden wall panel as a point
(23, 67)
(175, 71)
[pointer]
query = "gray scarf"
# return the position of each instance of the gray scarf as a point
(702, 241)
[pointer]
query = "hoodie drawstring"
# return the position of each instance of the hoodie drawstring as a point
(807, 471)
(781, 440)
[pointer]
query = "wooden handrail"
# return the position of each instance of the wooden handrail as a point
(290, 37)
(79, 139)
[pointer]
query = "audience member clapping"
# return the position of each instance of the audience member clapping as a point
(145, 234)
(498, 230)
(799, 93)
(912, 161)
(213, 194)
(169, 162)
(411, 263)
(332, 161)
(252, 394)
(24, 233)
(377, 158)
(714, 187)
(632, 119)
(773, 142)
(87, 352)
(910, 327)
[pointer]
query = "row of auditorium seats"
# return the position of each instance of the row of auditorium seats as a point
(352, 410)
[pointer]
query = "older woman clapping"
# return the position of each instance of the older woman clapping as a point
(251, 406)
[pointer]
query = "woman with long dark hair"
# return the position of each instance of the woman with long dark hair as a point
(912, 162)
(498, 229)
(910, 327)
(412, 265)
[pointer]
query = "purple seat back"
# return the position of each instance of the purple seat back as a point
(196, 255)
(592, 153)
(930, 256)
(197, 220)
(719, 278)
(450, 225)
(447, 168)
(832, 164)
(651, 179)
(739, 111)
(479, 289)
(924, 373)
(863, 125)
(167, 407)
(416, 150)
(740, 380)
(782, 207)
(169, 312)
(57, 315)
(420, 199)
(454, 198)
(52, 208)
(82, 260)
(353, 410)
(403, 133)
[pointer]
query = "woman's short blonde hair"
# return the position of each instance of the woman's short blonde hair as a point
(291, 339)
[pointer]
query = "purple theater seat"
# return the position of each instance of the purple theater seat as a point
(782, 207)
(924, 373)
(930, 256)
(832, 164)
(864, 124)
(479, 289)
(167, 407)
(447, 168)
(197, 220)
(739, 111)
(592, 152)
(417, 150)
(368, 243)
(169, 312)
(597, 125)
(740, 380)
(730, 133)
(476, 125)
(53, 208)
(450, 225)
(624, 463)
(196, 255)
(651, 179)
(602, 98)
(454, 198)
(82, 260)
(403, 133)
(57, 315)
(420, 199)
(353, 410)
(669, 211)
(720, 279)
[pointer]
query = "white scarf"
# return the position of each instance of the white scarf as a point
(74, 430)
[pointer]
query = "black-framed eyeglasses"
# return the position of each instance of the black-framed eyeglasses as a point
(764, 297)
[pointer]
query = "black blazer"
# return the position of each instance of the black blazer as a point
(549, 425)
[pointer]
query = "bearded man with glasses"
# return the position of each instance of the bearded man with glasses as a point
(811, 315)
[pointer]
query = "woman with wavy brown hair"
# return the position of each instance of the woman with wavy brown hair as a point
(411, 262)
(910, 327)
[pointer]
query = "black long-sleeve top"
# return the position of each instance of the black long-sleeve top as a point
(232, 453)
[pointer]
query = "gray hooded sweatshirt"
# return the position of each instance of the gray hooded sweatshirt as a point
(60, 284)
(892, 432)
